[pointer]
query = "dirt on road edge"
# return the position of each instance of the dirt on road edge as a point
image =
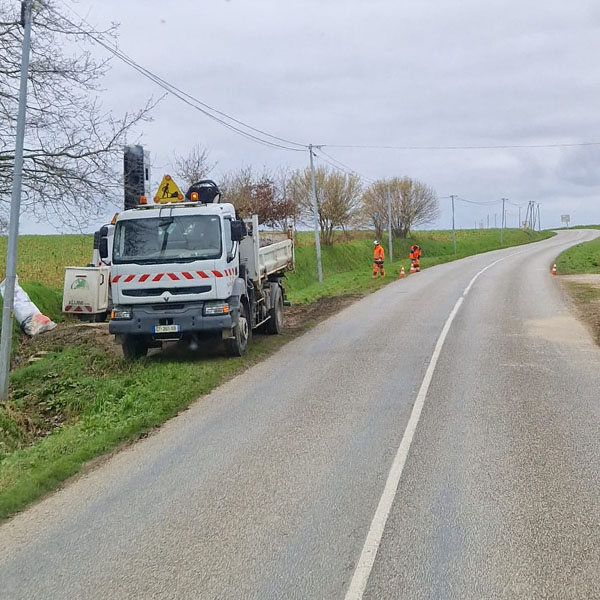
(297, 319)
(584, 293)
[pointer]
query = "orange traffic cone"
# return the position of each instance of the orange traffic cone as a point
(554, 269)
(412, 268)
(402, 273)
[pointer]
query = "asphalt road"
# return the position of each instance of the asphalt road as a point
(268, 487)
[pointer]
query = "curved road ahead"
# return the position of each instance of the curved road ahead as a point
(282, 483)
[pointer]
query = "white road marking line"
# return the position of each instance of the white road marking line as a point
(371, 546)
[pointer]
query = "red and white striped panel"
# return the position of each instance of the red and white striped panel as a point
(179, 276)
(78, 308)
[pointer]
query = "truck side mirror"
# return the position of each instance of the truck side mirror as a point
(103, 248)
(238, 231)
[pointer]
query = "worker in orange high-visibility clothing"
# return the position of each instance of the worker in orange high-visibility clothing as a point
(415, 257)
(378, 257)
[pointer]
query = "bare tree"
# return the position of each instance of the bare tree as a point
(236, 187)
(413, 204)
(338, 199)
(265, 195)
(195, 166)
(375, 205)
(73, 148)
(286, 210)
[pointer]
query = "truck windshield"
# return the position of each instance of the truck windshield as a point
(167, 239)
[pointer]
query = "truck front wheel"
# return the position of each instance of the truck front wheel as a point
(134, 347)
(275, 323)
(236, 346)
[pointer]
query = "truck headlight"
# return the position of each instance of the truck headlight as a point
(120, 313)
(216, 308)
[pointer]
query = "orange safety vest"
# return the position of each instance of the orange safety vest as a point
(378, 253)
(415, 252)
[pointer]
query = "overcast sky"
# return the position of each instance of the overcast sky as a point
(379, 72)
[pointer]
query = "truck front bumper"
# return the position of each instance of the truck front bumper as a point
(189, 319)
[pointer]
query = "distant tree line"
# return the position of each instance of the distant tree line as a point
(283, 197)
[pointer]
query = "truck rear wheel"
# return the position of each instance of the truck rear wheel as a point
(134, 347)
(275, 324)
(236, 346)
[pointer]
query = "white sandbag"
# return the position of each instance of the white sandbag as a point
(31, 320)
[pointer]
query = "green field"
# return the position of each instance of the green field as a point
(347, 265)
(43, 258)
(42, 261)
(583, 258)
(79, 401)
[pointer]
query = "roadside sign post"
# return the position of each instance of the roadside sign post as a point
(565, 219)
(15, 210)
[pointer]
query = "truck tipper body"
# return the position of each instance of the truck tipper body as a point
(185, 270)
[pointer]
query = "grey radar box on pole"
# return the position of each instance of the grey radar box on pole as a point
(136, 171)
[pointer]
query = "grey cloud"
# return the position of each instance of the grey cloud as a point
(378, 72)
(581, 166)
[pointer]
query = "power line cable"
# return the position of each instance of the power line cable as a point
(487, 203)
(177, 92)
(344, 166)
(333, 165)
(205, 108)
(459, 147)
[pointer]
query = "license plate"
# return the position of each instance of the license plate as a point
(166, 329)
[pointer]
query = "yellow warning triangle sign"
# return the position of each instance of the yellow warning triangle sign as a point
(168, 191)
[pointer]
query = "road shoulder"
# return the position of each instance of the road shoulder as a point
(583, 294)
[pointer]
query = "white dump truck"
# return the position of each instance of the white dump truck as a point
(182, 270)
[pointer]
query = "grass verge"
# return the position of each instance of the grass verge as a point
(583, 258)
(579, 269)
(80, 402)
(347, 266)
